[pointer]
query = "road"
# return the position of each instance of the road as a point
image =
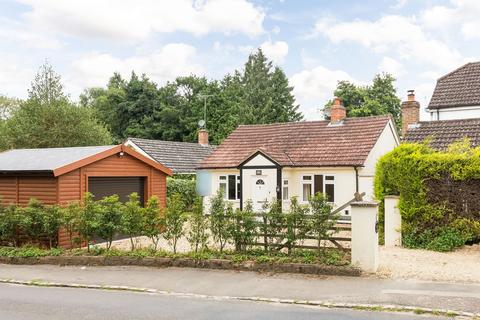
(41, 303)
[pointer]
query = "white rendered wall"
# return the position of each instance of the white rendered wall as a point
(456, 113)
(365, 252)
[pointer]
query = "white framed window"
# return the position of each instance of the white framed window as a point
(314, 183)
(285, 194)
(230, 186)
(329, 187)
(307, 187)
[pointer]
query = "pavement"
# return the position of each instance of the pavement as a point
(223, 284)
(41, 303)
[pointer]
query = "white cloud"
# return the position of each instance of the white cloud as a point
(314, 87)
(27, 36)
(400, 4)
(461, 14)
(276, 51)
(391, 66)
(395, 35)
(138, 19)
(169, 62)
(15, 76)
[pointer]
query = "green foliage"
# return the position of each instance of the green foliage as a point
(175, 218)
(153, 221)
(132, 218)
(186, 188)
(70, 221)
(273, 226)
(376, 99)
(197, 234)
(51, 222)
(87, 220)
(10, 222)
(322, 218)
(243, 229)
(298, 223)
(108, 218)
(220, 224)
(48, 119)
(259, 93)
(404, 172)
(31, 222)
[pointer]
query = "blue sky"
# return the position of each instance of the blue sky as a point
(317, 42)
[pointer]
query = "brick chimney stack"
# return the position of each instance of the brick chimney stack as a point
(203, 137)
(410, 112)
(338, 112)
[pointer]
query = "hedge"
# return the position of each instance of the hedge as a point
(438, 204)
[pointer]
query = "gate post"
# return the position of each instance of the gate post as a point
(365, 235)
(393, 222)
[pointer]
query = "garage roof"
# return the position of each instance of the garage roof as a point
(63, 160)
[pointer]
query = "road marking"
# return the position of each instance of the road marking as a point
(435, 293)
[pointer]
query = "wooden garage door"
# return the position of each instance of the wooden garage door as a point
(122, 186)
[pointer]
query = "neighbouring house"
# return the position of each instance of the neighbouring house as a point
(63, 175)
(181, 157)
(457, 94)
(439, 133)
(259, 163)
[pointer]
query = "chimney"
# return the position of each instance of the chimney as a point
(203, 137)
(338, 111)
(410, 112)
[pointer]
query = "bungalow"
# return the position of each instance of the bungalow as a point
(298, 159)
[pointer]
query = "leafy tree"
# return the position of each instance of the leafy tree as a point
(132, 218)
(10, 223)
(273, 226)
(153, 222)
(48, 119)
(322, 218)
(379, 98)
(51, 223)
(197, 235)
(297, 224)
(243, 227)
(8, 106)
(31, 222)
(220, 214)
(87, 220)
(109, 218)
(70, 219)
(174, 221)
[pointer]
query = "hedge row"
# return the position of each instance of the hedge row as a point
(425, 180)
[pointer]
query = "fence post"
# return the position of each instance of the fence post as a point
(365, 235)
(393, 222)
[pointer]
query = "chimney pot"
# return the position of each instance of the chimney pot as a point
(203, 137)
(338, 111)
(410, 112)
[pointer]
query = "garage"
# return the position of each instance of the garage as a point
(64, 175)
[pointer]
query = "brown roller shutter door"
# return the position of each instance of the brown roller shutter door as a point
(122, 186)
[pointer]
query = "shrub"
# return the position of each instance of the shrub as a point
(297, 222)
(220, 215)
(87, 219)
(322, 218)
(186, 188)
(108, 218)
(273, 226)
(70, 220)
(197, 235)
(132, 218)
(51, 223)
(153, 221)
(174, 220)
(438, 190)
(31, 221)
(243, 229)
(9, 225)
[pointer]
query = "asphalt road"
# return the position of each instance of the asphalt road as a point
(25, 302)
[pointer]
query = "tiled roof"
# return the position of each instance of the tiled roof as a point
(47, 159)
(460, 87)
(443, 133)
(181, 157)
(308, 143)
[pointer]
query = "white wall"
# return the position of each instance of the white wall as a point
(456, 113)
(387, 141)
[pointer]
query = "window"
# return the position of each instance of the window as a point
(258, 172)
(313, 184)
(330, 188)
(285, 195)
(306, 188)
(230, 186)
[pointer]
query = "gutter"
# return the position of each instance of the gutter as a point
(356, 179)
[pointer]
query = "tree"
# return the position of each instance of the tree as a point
(108, 218)
(197, 235)
(153, 222)
(132, 218)
(174, 221)
(379, 98)
(322, 218)
(48, 119)
(87, 220)
(8, 106)
(220, 220)
(243, 227)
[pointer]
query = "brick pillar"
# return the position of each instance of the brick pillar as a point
(410, 112)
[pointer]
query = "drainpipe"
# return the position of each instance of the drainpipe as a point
(356, 178)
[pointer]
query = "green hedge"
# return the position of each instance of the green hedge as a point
(185, 187)
(407, 171)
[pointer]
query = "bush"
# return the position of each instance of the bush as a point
(31, 221)
(108, 218)
(132, 218)
(87, 222)
(220, 215)
(322, 218)
(298, 224)
(243, 229)
(174, 220)
(273, 226)
(425, 180)
(51, 223)
(197, 235)
(9, 225)
(186, 188)
(153, 221)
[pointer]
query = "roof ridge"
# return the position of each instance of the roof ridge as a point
(312, 121)
(50, 148)
(450, 120)
(457, 69)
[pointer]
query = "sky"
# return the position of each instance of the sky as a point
(316, 42)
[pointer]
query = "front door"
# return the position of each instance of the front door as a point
(261, 194)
